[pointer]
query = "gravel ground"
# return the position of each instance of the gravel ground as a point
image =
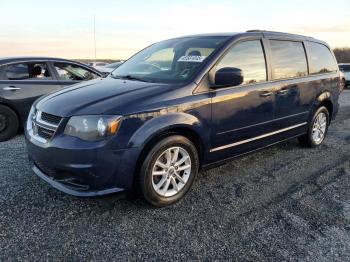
(283, 203)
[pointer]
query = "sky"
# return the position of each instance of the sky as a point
(65, 28)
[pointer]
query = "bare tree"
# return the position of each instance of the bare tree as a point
(342, 54)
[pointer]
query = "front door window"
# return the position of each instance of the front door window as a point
(72, 72)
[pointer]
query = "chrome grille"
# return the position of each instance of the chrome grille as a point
(44, 126)
(45, 133)
(52, 119)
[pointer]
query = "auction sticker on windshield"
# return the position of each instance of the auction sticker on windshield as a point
(195, 58)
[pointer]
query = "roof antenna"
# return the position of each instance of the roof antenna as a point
(95, 35)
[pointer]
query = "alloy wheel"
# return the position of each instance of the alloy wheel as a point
(171, 171)
(319, 128)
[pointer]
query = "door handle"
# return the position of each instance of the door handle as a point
(11, 88)
(282, 92)
(266, 94)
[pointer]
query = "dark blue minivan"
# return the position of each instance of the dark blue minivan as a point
(180, 106)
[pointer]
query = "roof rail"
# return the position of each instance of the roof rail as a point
(267, 31)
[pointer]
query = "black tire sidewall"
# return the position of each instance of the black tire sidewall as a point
(12, 123)
(145, 180)
(321, 109)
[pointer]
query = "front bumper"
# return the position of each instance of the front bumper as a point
(72, 190)
(80, 168)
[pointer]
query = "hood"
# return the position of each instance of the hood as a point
(101, 96)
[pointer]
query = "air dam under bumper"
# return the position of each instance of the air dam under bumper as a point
(84, 172)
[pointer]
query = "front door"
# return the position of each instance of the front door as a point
(22, 83)
(242, 114)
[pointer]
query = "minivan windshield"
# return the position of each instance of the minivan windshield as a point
(170, 61)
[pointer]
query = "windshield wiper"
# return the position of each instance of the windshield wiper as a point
(130, 77)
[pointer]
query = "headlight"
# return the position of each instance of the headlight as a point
(92, 128)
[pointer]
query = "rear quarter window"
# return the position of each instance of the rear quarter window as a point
(320, 58)
(288, 59)
(17, 72)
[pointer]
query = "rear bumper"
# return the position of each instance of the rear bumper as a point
(82, 169)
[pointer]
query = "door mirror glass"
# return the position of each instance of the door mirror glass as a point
(228, 76)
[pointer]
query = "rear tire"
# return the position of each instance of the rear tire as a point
(9, 123)
(168, 171)
(317, 129)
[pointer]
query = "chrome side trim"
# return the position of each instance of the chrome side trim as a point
(257, 138)
(11, 88)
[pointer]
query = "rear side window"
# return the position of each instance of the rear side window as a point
(17, 72)
(288, 59)
(249, 57)
(320, 58)
(27, 71)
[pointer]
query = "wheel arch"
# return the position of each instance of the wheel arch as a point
(182, 130)
(2, 103)
(325, 99)
(329, 105)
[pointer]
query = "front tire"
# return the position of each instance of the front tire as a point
(317, 129)
(168, 171)
(9, 123)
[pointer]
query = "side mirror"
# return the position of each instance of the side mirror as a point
(228, 76)
(105, 74)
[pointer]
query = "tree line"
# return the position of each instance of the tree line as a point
(342, 54)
